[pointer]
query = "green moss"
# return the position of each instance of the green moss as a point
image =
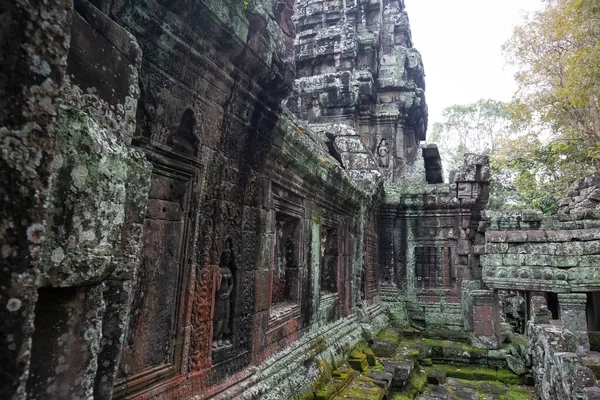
(469, 372)
(460, 373)
(338, 381)
(448, 335)
(316, 348)
(505, 376)
(436, 343)
(388, 335)
(364, 348)
(377, 367)
(415, 386)
(517, 393)
(366, 392)
(306, 395)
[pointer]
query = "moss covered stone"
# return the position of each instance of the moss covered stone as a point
(358, 361)
(415, 387)
(389, 335)
(436, 376)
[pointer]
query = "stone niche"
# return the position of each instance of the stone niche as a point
(288, 255)
(329, 261)
(65, 342)
(153, 342)
(285, 266)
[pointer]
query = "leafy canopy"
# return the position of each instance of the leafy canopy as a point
(557, 53)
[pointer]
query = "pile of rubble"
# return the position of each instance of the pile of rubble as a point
(582, 200)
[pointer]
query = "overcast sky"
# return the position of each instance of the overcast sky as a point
(460, 43)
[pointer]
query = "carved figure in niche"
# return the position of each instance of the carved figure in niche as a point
(514, 307)
(383, 152)
(221, 332)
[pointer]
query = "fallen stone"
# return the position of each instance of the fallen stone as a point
(358, 361)
(402, 372)
(516, 365)
(384, 348)
(381, 378)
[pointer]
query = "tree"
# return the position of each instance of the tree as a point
(533, 173)
(478, 128)
(530, 170)
(557, 53)
(470, 128)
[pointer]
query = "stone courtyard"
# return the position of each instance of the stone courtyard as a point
(231, 199)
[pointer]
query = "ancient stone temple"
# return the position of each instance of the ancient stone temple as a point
(221, 199)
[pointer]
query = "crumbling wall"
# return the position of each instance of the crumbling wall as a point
(431, 240)
(558, 371)
(553, 260)
(170, 230)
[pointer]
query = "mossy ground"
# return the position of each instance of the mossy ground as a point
(466, 378)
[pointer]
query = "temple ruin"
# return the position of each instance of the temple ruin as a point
(231, 199)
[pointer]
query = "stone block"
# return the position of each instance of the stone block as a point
(381, 378)
(384, 348)
(436, 376)
(516, 365)
(402, 373)
(358, 361)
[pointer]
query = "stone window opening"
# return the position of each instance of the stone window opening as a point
(433, 267)
(552, 299)
(329, 261)
(285, 269)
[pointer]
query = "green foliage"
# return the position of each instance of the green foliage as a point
(557, 53)
(469, 128)
(532, 173)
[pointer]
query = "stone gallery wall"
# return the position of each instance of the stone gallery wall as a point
(552, 264)
(552, 256)
(207, 198)
(166, 224)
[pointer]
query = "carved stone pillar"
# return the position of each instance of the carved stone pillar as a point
(572, 314)
(486, 319)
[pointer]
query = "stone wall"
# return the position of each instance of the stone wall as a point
(551, 260)
(166, 223)
(432, 236)
(207, 198)
(558, 371)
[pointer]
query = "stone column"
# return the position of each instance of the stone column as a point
(572, 314)
(539, 313)
(486, 319)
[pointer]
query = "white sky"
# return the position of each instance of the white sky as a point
(460, 43)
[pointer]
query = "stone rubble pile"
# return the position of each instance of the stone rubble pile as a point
(582, 201)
